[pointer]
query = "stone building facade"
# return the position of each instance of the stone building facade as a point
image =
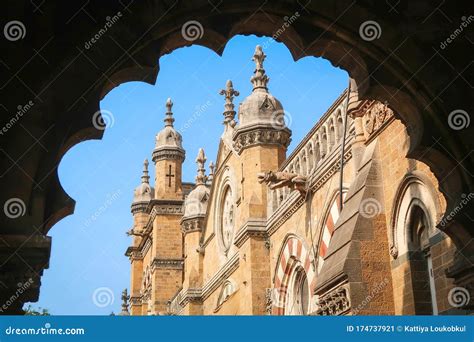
(266, 233)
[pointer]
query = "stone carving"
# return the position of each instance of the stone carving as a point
(280, 179)
(268, 301)
(334, 303)
(261, 136)
(376, 116)
(125, 299)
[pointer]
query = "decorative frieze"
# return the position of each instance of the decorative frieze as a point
(190, 225)
(168, 154)
(375, 117)
(261, 135)
(335, 302)
(176, 264)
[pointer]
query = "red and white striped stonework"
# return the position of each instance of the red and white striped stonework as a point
(293, 256)
(328, 229)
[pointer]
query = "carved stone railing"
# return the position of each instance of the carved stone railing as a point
(174, 306)
(315, 151)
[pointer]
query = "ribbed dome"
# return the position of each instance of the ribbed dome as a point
(143, 193)
(196, 202)
(168, 137)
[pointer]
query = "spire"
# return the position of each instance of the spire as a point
(201, 177)
(259, 78)
(145, 177)
(169, 114)
(229, 113)
(125, 298)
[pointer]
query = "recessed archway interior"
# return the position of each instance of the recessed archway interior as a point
(101, 175)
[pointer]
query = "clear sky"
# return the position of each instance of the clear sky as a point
(88, 269)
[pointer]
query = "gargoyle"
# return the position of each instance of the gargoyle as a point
(276, 180)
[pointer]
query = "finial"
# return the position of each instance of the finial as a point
(211, 168)
(259, 79)
(211, 172)
(145, 177)
(125, 298)
(229, 113)
(169, 114)
(201, 177)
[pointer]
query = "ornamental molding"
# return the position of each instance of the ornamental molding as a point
(175, 264)
(295, 200)
(260, 135)
(193, 224)
(166, 207)
(139, 207)
(251, 228)
(164, 153)
(335, 302)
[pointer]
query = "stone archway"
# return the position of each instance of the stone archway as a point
(71, 63)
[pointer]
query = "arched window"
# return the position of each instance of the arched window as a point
(300, 302)
(420, 262)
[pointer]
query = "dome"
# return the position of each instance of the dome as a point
(168, 137)
(195, 203)
(144, 192)
(261, 107)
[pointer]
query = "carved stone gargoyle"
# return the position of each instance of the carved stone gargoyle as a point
(279, 179)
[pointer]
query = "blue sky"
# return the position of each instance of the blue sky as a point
(88, 269)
